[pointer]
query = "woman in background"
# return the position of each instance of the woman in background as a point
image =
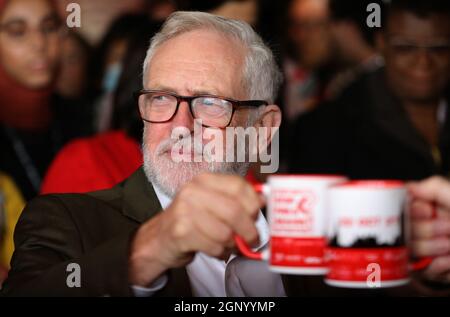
(33, 127)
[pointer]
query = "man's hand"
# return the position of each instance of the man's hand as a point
(204, 216)
(430, 212)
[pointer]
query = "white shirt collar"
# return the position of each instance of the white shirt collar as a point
(164, 200)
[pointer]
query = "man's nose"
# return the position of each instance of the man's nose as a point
(183, 117)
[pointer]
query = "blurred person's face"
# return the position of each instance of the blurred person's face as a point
(310, 32)
(197, 62)
(72, 74)
(30, 42)
(417, 55)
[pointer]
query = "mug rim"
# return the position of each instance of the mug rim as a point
(372, 184)
(318, 176)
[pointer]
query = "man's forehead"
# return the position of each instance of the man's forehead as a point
(203, 40)
(203, 61)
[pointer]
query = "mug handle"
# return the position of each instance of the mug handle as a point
(243, 247)
(424, 262)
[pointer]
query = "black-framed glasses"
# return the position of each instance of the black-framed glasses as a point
(156, 106)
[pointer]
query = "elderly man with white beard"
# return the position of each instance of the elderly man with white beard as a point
(169, 229)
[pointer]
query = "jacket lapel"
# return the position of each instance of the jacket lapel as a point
(140, 203)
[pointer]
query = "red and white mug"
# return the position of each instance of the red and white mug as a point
(297, 207)
(369, 235)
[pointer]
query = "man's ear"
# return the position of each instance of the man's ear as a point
(270, 117)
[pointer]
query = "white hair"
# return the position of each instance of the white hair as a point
(261, 76)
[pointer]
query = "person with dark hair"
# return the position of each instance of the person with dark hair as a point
(308, 61)
(107, 65)
(355, 13)
(421, 9)
(354, 42)
(76, 53)
(34, 124)
(125, 115)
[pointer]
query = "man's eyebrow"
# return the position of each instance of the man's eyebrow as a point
(193, 92)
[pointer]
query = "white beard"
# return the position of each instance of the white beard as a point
(170, 176)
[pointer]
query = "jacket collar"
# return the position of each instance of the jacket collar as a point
(140, 202)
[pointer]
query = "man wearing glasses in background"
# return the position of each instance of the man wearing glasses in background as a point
(169, 228)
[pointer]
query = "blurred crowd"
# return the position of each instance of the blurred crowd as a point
(360, 101)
